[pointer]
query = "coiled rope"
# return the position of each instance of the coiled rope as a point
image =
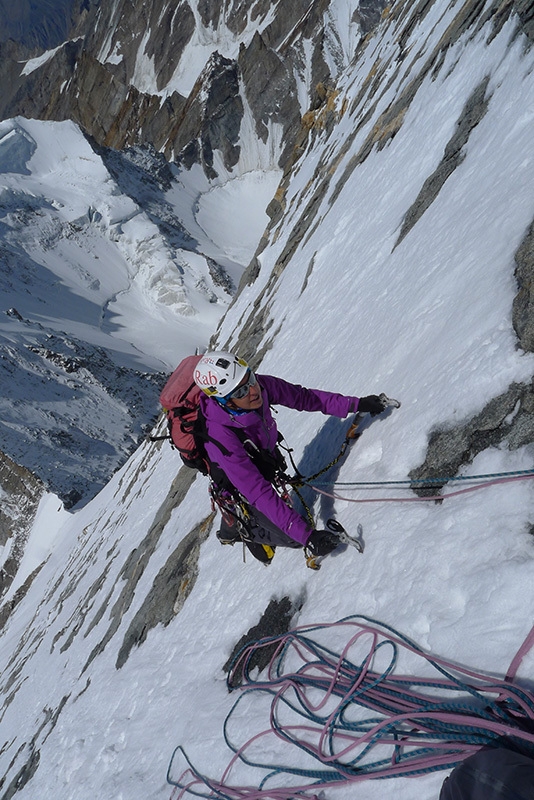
(318, 699)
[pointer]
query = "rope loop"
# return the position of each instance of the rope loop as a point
(351, 718)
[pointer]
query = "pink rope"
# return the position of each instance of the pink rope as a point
(435, 497)
(338, 680)
(527, 645)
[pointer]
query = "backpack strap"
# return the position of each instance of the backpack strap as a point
(158, 438)
(200, 432)
(187, 391)
(269, 464)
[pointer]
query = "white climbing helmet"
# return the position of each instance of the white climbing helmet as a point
(219, 373)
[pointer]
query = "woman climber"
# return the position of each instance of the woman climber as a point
(241, 439)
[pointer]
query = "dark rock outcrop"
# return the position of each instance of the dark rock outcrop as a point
(210, 119)
(275, 621)
(523, 308)
(171, 587)
(21, 492)
(507, 419)
(453, 156)
(169, 591)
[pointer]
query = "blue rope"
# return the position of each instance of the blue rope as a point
(398, 705)
(423, 481)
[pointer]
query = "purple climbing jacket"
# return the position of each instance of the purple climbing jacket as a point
(261, 429)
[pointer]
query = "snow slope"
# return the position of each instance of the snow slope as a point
(427, 321)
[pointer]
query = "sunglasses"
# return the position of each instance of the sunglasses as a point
(243, 389)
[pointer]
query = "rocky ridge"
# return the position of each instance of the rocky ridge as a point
(115, 76)
(20, 492)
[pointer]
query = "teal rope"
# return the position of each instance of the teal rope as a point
(411, 481)
(425, 732)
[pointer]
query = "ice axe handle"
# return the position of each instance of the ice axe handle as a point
(353, 431)
(387, 402)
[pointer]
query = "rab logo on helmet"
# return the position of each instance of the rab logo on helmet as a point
(209, 379)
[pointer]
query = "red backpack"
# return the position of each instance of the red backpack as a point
(180, 399)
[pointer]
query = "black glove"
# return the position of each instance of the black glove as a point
(321, 543)
(372, 403)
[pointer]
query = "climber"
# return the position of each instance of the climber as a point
(241, 438)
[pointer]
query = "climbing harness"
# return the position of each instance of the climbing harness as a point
(236, 514)
(353, 717)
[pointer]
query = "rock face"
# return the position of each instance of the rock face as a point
(507, 419)
(210, 119)
(39, 24)
(276, 620)
(123, 72)
(20, 491)
(523, 310)
(453, 156)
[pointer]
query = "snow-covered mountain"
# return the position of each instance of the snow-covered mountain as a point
(117, 235)
(397, 257)
(91, 285)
